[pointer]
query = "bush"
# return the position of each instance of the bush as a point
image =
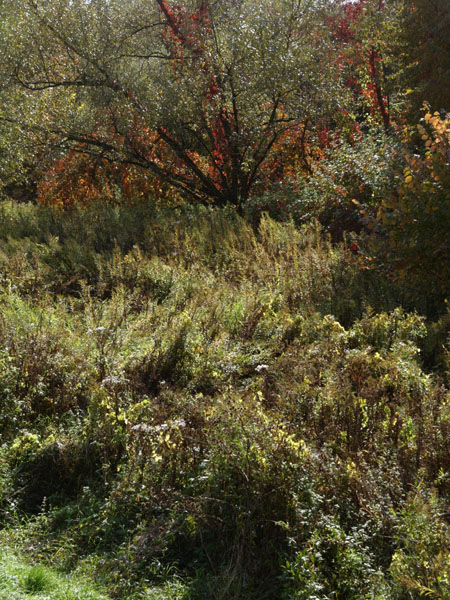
(415, 215)
(421, 565)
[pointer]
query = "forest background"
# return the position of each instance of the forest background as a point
(224, 328)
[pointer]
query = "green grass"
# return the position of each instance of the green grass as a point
(20, 581)
(37, 579)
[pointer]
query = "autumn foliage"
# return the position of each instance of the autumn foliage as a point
(361, 60)
(416, 215)
(224, 325)
(214, 158)
(225, 137)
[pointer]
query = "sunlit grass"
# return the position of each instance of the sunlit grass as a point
(19, 581)
(37, 579)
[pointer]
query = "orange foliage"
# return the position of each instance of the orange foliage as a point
(161, 165)
(81, 179)
(416, 215)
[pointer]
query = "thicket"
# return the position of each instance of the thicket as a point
(192, 409)
(224, 322)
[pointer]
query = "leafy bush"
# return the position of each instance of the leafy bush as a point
(415, 215)
(420, 566)
(43, 371)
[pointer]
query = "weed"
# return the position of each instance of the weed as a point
(194, 408)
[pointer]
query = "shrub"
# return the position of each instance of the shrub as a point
(421, 565)
(415, 216)
(43, 374)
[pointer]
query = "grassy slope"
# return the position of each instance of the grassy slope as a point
(193, 409)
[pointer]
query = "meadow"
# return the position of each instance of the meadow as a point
(197, 405)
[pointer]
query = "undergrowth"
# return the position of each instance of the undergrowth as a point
(194, 409)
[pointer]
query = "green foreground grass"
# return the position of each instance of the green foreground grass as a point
(20, 581)
(194, 409)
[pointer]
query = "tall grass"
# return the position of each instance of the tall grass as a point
(198, 406)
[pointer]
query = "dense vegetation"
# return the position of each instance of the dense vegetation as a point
(246, 413)
(224, 320)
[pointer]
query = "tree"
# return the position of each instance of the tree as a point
(204, 96)
(368, 36)
(426, 50)
(15, 149)
(415, 216)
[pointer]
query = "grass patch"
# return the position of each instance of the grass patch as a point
(19, 581)
(37, 579)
